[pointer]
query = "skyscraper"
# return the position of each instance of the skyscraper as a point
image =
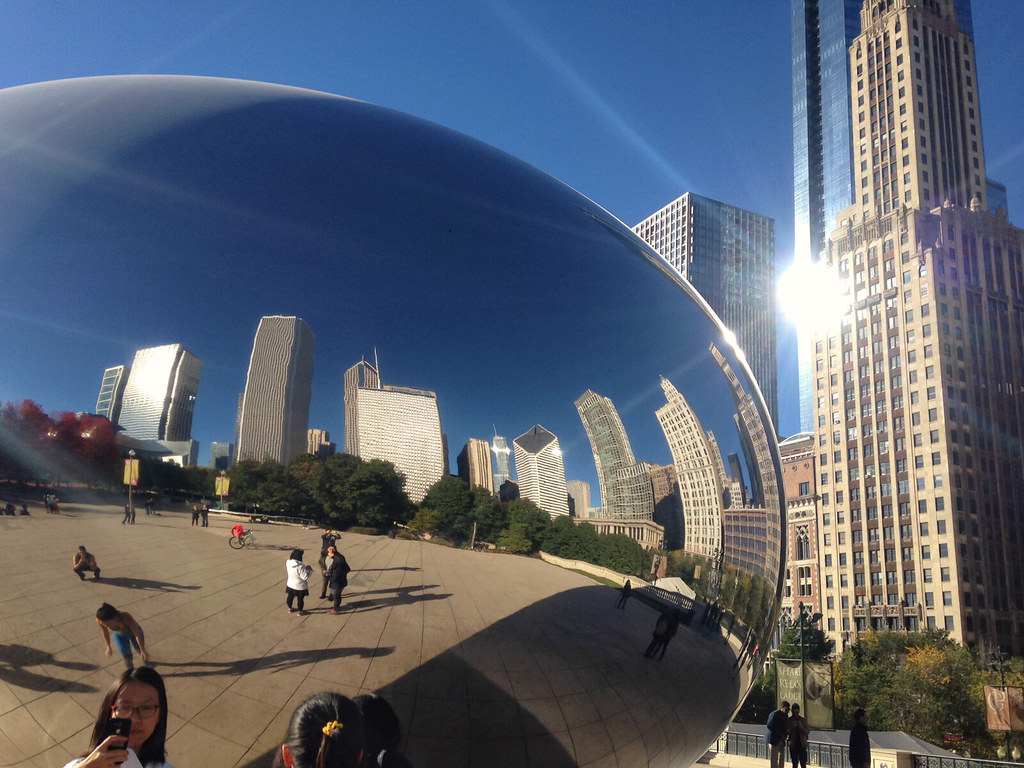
(318, 443)
(397, 424)
(274, 409)
(362, 374)
(697, 476)
(502, 470)
(579, 495)
(474, 462)
(917, 377)
(624, 485)
(108, 402)
(221, 455)
(823, 164)
(728, 255)
(540, 471)
(160, 394)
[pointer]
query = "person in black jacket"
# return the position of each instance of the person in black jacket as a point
(860, 742)
(337, 578)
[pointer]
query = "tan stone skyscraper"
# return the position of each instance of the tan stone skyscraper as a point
(919, 380)
(474, 463)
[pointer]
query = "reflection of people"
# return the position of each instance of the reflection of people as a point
(337, 577)
(860, 742)
(664, 631)
(776, 730)
(625, 590)
(205, 513)
(329, 539)
(84, 561)
(298, 581)
(126, 632)
(381, 734)
(798, 733)
(325, 730)
(195, 514)
(138, 695)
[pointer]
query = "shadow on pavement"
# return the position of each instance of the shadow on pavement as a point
(17, 657)
(274, 661)
(134, 583)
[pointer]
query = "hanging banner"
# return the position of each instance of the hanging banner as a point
(788, 686)
(818, 698)
(221, 485)
(131, 471)
(1004, 708)
(811, 688)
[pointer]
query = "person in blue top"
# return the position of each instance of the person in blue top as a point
(776, 733)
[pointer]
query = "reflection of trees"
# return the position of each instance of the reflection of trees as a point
(66, 448)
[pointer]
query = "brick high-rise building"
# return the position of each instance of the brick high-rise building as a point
(918, 378)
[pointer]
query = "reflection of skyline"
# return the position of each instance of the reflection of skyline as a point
(274, 179)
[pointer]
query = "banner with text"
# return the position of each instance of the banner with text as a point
(810, 687)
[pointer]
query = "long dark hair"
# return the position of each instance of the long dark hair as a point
(297, 554)
(381, 729)
(152, 749)
(326, 731)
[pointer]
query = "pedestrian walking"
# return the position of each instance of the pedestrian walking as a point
(127, 514)
(84, 561)
(625, 591)
(860, 742)
(126, 632)
(776, 730)
(798, 734)
(298, 582)
(149, 507)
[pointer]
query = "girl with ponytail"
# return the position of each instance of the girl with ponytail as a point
(326, 731)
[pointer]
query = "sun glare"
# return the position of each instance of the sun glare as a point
(812, 296)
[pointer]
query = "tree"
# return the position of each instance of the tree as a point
(488, 513)
(377, 490)
(620, 553)
(817, 646)
(923, 683)
(526, 523)
(451, 498)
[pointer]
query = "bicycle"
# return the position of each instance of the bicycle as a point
(247, 537)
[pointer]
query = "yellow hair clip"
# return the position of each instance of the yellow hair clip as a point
(329, 728)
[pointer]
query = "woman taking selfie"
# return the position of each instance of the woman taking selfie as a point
(139, 698)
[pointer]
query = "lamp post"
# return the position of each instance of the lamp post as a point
(131, 475)
(805, 618)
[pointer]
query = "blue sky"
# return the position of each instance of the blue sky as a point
(630, 103)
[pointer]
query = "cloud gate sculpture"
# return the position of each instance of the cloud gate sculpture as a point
(185, 208)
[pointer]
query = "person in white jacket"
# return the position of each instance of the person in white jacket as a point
(298, 582)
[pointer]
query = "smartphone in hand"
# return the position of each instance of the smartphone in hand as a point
(119, 726)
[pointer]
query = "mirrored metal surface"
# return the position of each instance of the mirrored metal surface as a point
(147, 210)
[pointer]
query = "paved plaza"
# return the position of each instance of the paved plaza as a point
(488, 659)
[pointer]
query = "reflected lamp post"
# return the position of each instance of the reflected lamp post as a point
(131, 475)
(999, 661)
(806, 619)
